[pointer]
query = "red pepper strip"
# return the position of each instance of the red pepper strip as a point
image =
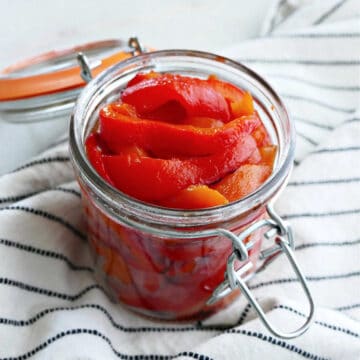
(162, 138)
(243, 107)
(264, 155)
(172, 112)
(141, 77)
(195, 197)
(255, 158)
(230, 92)
(94, 152)
(261, 136)
(268, 154)
(241, 102)
(202, 122)
(152, 180)
(243, 181)
(194, 95)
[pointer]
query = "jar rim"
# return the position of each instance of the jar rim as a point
(116, 201)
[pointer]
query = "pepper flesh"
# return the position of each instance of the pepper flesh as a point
(194, 95)
(243, 181)
(195, 197)
(152, 179)
(172, 135)
(94, 152)
(161, 138)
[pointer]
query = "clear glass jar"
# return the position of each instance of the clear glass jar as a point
(168, 263)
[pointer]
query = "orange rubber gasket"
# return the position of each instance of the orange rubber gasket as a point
(41, 84)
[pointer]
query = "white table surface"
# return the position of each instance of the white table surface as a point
(29, 27)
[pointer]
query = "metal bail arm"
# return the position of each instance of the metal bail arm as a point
(284, 244)
(84, 66)
(135, 48)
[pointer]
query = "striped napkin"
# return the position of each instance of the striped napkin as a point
(50, 305)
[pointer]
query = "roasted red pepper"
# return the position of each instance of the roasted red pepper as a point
(195, 197)
(171, 135)
(230, 92)
(194, 95)
(243, 181)
(151, 179)
(162, 138)
(241, 102)
(94, 151)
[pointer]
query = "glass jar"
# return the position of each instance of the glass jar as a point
(168, 263)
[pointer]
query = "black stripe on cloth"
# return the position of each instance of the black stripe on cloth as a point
(318, 102)
(48, 216)
(340, 149)
(323, 182)
(45, 253)
(327, 244)
(300, 62)
(141, 329)
(313, 123)
(129, 329)
(313, 83)
(306, 138)
(309, 278)
(93, 332)
(193, 355)
(329, 12)
(18, 197)
(47, 292)
(277, 342)
(243, 315)
(348, 121)
(317, 215)
(321, 323)
(42, 161)
(317, 35)
(274, 17)
(348, 307)
(29, 194)
(66, 190)
(126, 329)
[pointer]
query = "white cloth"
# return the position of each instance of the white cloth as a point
(50, 306)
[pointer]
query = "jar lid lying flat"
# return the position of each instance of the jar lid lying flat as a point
(46, 86)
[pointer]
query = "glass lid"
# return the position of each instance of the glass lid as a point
(46, 86)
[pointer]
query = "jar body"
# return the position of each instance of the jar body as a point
(161, 277)
(148, 257)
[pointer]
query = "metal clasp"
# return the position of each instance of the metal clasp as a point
(284, 243)
(135, 48)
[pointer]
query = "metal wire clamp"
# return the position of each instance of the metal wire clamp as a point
(134, 48)
(282, 234)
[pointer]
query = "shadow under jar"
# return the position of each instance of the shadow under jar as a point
(167, 263)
